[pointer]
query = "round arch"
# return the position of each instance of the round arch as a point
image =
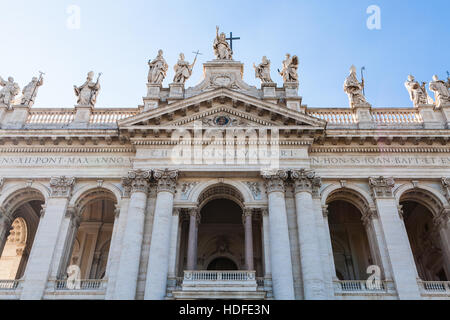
(242, 189)
(425, 195)
(16, 197)
(220, 191)
(88, 193)
(352, 194)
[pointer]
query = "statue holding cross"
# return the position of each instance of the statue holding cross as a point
(222, 48)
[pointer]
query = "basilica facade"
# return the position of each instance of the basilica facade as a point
(225, 191)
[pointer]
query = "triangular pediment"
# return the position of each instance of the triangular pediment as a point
(222, 107)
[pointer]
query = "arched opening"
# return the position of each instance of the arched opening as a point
(25, 211)
(425, 239)
(222, 264)
(220, 234)
(350, 245)
(93, 232)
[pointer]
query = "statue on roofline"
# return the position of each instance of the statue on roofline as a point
(354, 89)
(88, 92)
(158, 69)
(222, 48)
(262, 71)
(289, 71)
(9, 91)
(441, 91)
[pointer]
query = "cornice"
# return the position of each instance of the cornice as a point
(62, 149)
(384, 149)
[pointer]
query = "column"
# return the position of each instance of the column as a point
(192, 239)
(396, 239)
(174, 241)
(128, 270)
(248, 226)
(442, 226)
(266, 243)
(116, 244)
(280, 249)
(376, 242)
(312, 276)
(158, 261)
(63, 251)
(45, 241)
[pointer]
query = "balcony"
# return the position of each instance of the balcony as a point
(219, 285)
(435, 289)
(360, 289)
(86, 289)
(10, 289)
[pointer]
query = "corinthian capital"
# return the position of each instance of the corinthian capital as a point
(275, 180)
(382, 187)
(166, 179)
(306, 181)
(137, 181)
(61, 187)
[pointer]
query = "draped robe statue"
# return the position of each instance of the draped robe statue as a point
(441, 91)
(417, 93)
(354, 89)
(221, 47)
(262, 71)
(158, 69)
(87, 93)
(30, 91)
(183, 70)
(289, 71)
(9, 91)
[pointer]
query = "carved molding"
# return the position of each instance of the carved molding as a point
(275, 180)
(382, 187)
(368, 216)
(61, 187)
(446, 186)
(166, 180)
(442, 219)
(306, 181)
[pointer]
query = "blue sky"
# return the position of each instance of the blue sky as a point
(118, 37)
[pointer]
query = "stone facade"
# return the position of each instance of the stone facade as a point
(158, 168)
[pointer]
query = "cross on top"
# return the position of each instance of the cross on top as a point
(231, 40)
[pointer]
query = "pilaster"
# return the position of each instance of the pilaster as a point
(398, 247)
(46, 239)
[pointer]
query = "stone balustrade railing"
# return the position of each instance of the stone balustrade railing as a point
(361, 286)
(219, 276)
(83, 285)
(435, 286)
(9, 284)
(335, 116)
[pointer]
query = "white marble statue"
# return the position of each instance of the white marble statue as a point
(30, 91)
(222, 48)
(262, 71)
(183, 70)
(290, 67)
(88, 92)
(9, 91)
(441, 91)
(158, 69)
(417, 93)
(354, 89)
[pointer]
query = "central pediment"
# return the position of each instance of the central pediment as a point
(222, 107)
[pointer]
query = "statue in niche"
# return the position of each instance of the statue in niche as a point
(289, 71)
(262, 71)
(88, 92)
(441, 91)
(354, 89)
(30, 91)
(417, 93)
(183, 70)
(9, 91)
(222, 48)
(158, 69)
